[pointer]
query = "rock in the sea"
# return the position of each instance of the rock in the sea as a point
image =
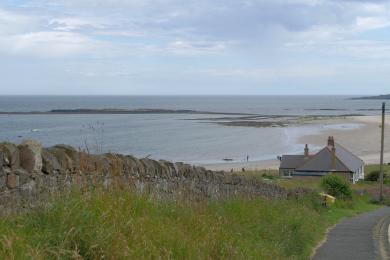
(30, 152)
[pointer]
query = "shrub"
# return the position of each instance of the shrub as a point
(336, 186)
(268, 176)
(372, 176)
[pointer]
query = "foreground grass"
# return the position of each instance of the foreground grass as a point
(120, 225)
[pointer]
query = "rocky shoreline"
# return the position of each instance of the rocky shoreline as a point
(228, 119)
(271, 120)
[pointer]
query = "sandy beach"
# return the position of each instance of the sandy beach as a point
(363, 140)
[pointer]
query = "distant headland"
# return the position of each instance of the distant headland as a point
(379, 97)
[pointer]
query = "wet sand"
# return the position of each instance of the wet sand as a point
(364, 141)
(249, 166)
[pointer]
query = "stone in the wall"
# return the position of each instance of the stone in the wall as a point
(10, 155)
(72, 153)
(62, 157)
(28, 189)
(39, 176)
(50, 163)
(3, 178)
(30, 153)
(23, 176)
(12, 181)
(1, 159)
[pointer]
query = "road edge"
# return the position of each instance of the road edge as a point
(323, 240)
(381, 238)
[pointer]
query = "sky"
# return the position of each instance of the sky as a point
(194, 47)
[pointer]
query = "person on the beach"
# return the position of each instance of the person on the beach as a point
(247, 158)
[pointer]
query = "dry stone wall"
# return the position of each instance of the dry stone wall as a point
(29, 172)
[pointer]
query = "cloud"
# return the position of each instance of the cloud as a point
(193, 48)
(198, 27)
(260, 40)
(369, 23)
(49, 44)
(75, 23)
(11, 22)
(37, 35)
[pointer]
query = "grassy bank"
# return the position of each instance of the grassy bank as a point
(119, 225)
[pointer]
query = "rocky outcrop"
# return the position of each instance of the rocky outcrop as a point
(29, 172)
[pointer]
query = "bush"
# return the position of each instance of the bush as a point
(372, 176)
(268, 176)
(336, 186)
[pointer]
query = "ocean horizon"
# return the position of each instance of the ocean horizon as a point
(191, 138)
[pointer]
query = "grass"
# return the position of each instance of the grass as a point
(121, 225)
(343, 209)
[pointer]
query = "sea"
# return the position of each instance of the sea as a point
(173, 137)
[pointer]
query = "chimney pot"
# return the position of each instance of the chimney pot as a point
(331, 141)
(306, 153)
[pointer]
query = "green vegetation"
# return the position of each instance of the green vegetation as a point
(314, 182)
(372, 173)
(122, 225)
(375, 167)
(297, 182)
(372, 176)
(336, 186)
(118, 224)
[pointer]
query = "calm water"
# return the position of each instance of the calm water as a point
(169, 136)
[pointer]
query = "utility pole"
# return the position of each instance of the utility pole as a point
(382, 145)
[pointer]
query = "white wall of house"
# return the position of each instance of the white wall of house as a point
(358, 174)
(362, 172)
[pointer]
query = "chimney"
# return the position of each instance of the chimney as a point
(306, 153)
(330, 141)
(333, 158)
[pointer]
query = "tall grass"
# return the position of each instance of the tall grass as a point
(121, 225)
(117, 225)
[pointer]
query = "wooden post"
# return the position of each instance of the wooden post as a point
(382, 146)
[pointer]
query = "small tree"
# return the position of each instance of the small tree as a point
(336, 186)
(372, 176)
